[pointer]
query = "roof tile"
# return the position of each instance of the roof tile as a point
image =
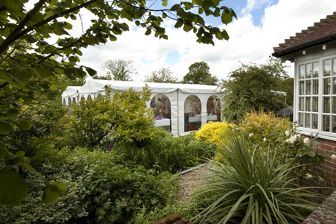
(320, 31)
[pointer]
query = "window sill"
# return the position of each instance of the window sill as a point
(316, 133)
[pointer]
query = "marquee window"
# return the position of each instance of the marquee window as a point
(213, 108)
(192, 113)
(316, 102)
(162, 111)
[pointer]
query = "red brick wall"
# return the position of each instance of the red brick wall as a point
(327, 169)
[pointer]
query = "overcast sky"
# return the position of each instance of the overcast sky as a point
(261, 25)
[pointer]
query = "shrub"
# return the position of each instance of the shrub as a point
(251, 88)
(125, 118)
(268, 130)
(215, 132)
(251, 187)
(265, 127)
(166, 152)
(98, 191)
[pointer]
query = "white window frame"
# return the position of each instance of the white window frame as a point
(309, 131)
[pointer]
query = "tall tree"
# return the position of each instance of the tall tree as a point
(199, 73)
(163, 75)
(253, 88)
(119, 69)
(29, 55)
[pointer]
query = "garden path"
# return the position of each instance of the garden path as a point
(190, 179)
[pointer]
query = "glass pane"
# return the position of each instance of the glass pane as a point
(326, 104)
(301, 104)
(326, 86)
(315, 104)
(307, 120)
(326, 123)
(308, 87)
(334, 85)
(301, 87)
(333, 124)
(315, 86)
(309, 70)
(327, 67)
(315, 69)
(314, 121)
(334, 67)
(333, 106)
(302, 71)
(301, 119)
(308, 103)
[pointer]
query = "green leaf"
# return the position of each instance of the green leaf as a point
(73, 59)
(53, 191)
(187, 27)
(25, 125)
(216, 2)
(216, 12)
(219, 35)
(164, 3)
(197, 2)
(148, 31)
(91, 71)
(5, 128)
(179, 23)
(12, 187)
(227, 16)
(225, 35)
(188, 5)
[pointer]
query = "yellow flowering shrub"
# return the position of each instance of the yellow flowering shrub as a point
(265, 127)
(215, 132)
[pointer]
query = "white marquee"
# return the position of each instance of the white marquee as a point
(178, 107)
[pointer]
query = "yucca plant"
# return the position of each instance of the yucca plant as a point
(251, 186)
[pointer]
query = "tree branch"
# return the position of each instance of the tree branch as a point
(13, 35)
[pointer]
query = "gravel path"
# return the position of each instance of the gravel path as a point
(190, 179)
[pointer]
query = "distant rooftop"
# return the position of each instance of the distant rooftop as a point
(321, 32)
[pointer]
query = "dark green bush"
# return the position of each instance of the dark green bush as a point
(166, 153)
(98, 191)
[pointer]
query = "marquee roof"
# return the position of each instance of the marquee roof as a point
(92, 86)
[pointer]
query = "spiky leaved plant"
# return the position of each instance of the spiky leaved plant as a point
(251, 186)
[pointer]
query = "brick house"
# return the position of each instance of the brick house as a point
(313, 52)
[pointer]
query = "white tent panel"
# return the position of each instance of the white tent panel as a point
(69, 93)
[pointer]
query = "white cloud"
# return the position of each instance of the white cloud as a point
(248, 42)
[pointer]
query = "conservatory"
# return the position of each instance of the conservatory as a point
(313, 52)
(178, 108)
